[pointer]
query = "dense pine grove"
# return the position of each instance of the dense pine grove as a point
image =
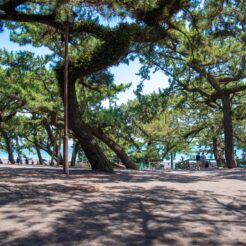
(199, 45)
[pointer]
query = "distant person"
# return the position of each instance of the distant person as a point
(17, 160)
(198, 161)
(27, 161)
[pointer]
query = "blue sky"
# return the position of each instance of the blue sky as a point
(122, 73)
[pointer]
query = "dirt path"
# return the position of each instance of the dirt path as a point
(39, 206)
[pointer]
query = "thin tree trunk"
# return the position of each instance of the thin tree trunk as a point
(9, 146)
(75, 152)
(228, 131)
(40, 159)
(92, 151)
(53, 141)
(58, 151)
(120, 152)
(18, 147)
(171, 154)
(52, 156)
(54, 150)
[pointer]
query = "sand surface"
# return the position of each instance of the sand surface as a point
(40, 206)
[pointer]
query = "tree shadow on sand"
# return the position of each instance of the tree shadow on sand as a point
(73, 213)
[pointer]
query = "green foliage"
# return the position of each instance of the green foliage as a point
(201, 49)
(28, 88)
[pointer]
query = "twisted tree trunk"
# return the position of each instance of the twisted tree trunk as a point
(120, 152)
(92, 151)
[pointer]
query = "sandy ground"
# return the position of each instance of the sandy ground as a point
(40, 206)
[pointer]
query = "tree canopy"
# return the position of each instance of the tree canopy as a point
(199, 45)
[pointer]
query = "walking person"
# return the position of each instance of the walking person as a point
(198, 160)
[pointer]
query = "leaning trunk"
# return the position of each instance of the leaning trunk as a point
(228, 131)
(53, 140)
(92, 151)
(40, 159)
(9, 146)
(120, 152)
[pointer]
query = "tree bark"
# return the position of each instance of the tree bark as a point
(40, 159)
(172, 157)
(59, 156)
(75, 152)
(53, 140)
(216, 148)
(9, 146)
(120, 152)
(18, 147)
(228, 131)
(92, 151)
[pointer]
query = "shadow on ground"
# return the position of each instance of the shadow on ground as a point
(39, 207)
